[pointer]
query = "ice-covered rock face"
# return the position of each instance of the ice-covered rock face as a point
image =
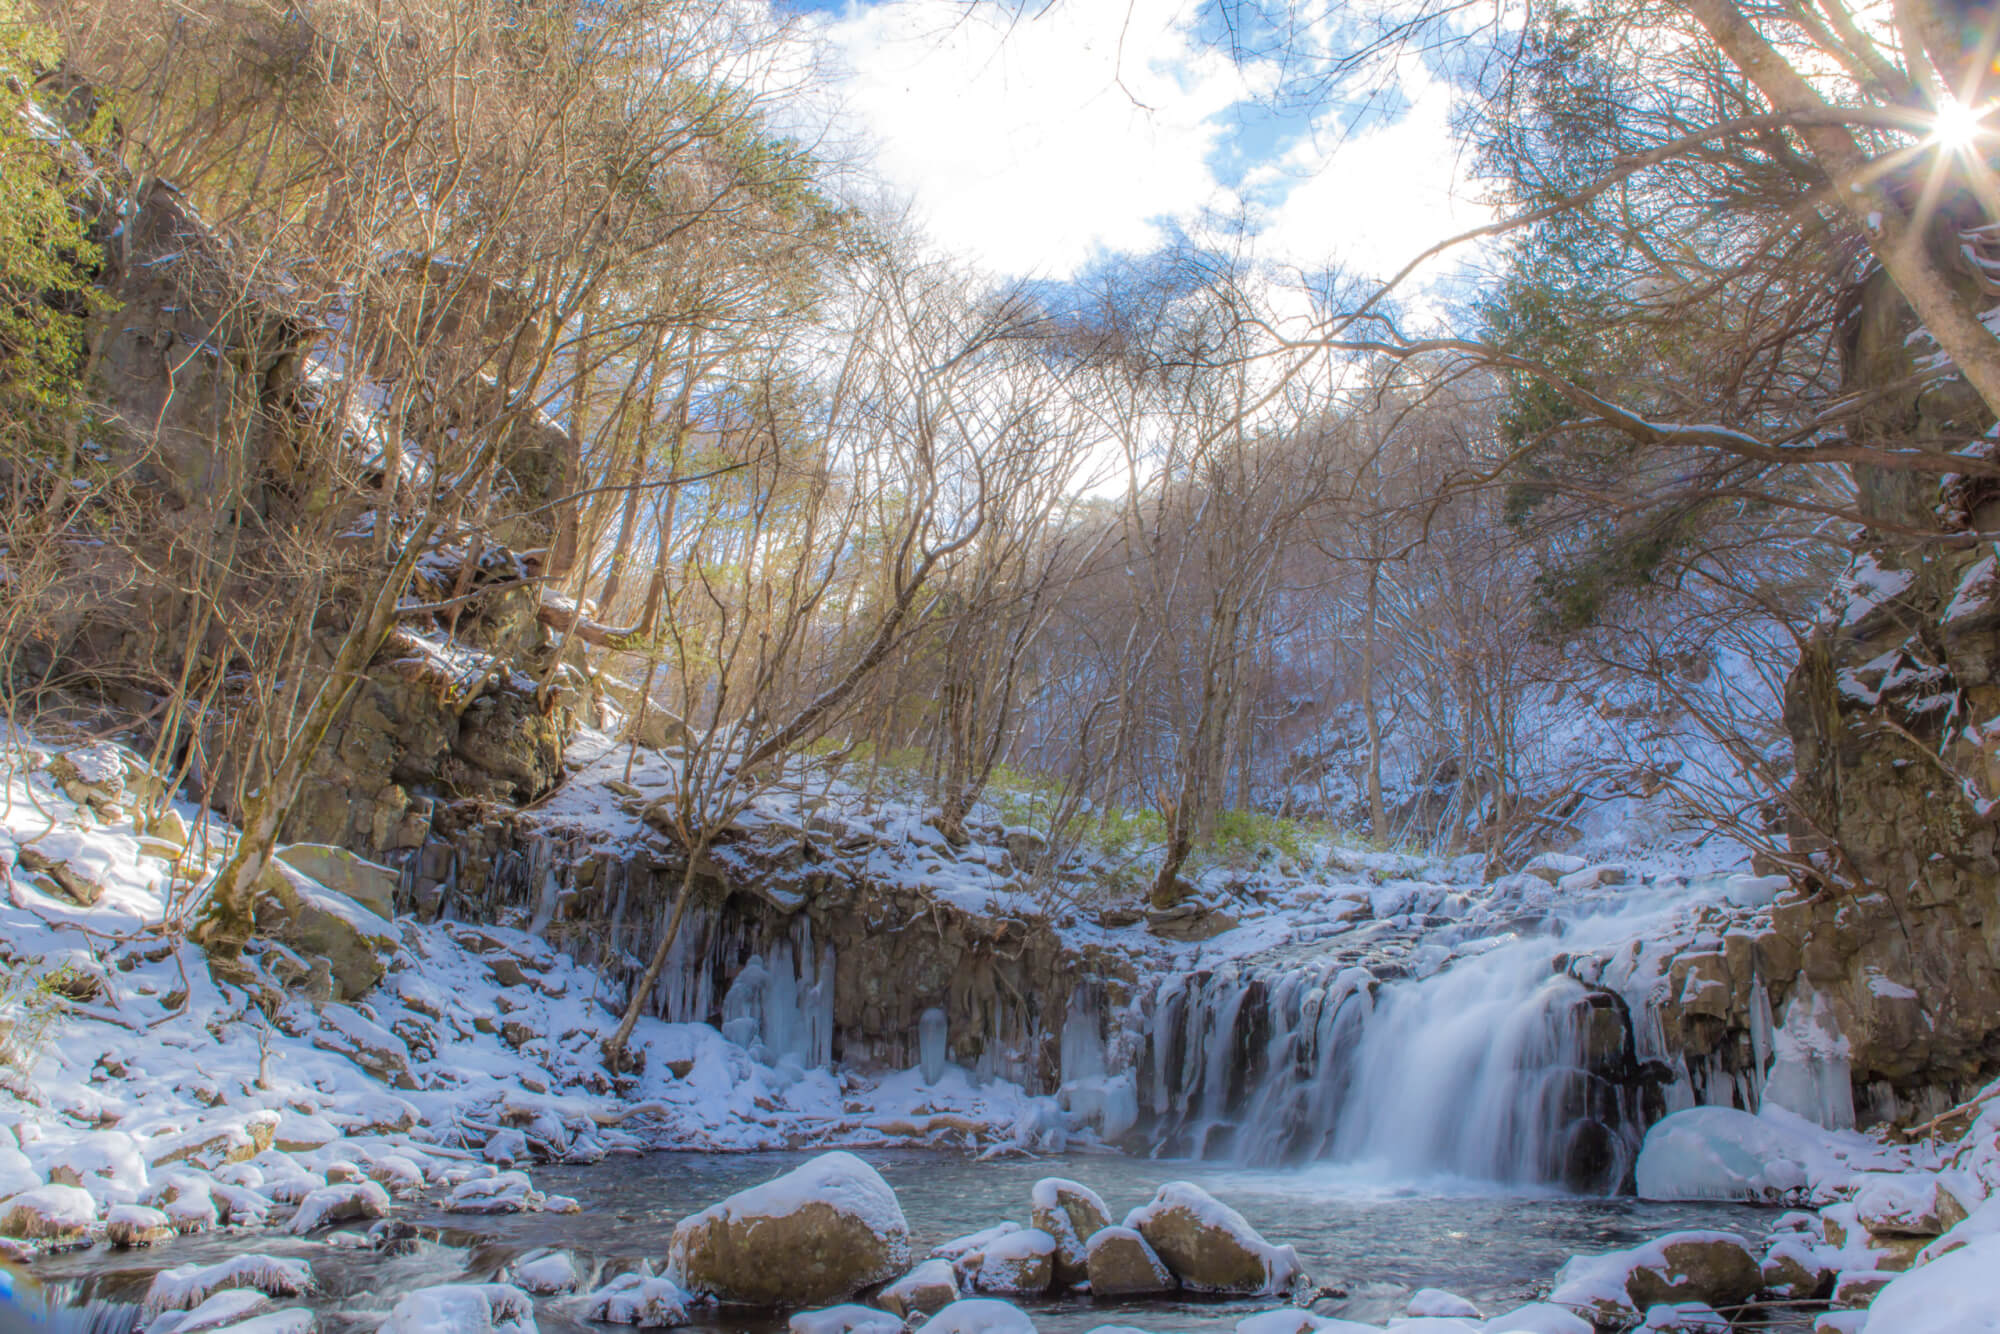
(1209, 1246)
(819, 1233)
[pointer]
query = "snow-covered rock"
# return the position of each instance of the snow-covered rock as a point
(1539, 1318)
(350, 1201)
(925, 1290)
(544, 1272)
(1071, 1212)
(979, 1315)
(1438, 1302)
(1719, 1153)
(1293, 1320)
(463, 1308)
(846, 1319)
(1121, 1263)
(1209, 1246)
(1955, 1294)
(224, 1310)
(48, 1213)
(503, 1193)
(1716, 1268)
(1906, 1204)
(189, 1285)
(635, 1299)
(821, 1232)
(1683, 1318)
(1016, 1264)
(129, 1225)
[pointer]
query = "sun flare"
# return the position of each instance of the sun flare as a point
(1956, 124)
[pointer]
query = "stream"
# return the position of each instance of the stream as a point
(1375, 1236)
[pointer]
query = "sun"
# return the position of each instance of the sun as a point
(1956, 124)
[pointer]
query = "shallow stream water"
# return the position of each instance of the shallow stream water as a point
(1377, 1238)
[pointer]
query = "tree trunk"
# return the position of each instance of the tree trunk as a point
(614, 1050)
(1378, 817)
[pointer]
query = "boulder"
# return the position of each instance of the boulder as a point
(819, 1233)
(345, 1030)
(48, 1213)
(348, 1202)
(1905, 1204)
(1120, 1263)
(1438, 1303)
(296, 911)
(846, 1319)
(129, 1225)
(545, 1272)
(1072, 1213)
(1019, 1264)
(1716, 1268)
(925, 1290)
(187, 1286)
(370, 884)
(1209, 1246)
(1540, 1318)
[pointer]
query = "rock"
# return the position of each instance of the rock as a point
(129, 1225)
(1071, 1212)
(356, 943)
(91, 776)
(296, 1132)
(1540, 1318)
(634, 1299)
(925, 1290)
(1905, 1204)
(1019, 1264)
(1712, 1267)
(1553, 866)
(345, 1030)
(1120, 1263)
(1209, 1246)
(1858, 1287)
(979, 1315)
(109, 1164)
(1683, 1318)
(819, 1233)
(212, 1144)
(1293, 1320)
(463, 1308)
(347, 1202)
(1792, 1271)
(1957, 1293)
(502, 1193)
(48, 1213)
(187, 1286)
(225, 1310)
(848, 1319)
(369, 884)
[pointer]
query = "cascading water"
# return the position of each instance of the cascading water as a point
(1498, 1067)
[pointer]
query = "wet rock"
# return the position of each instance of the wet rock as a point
(925, 1290)
(822, 1232)
(1120, 1263)
(129, 1225)
(1209, 1246)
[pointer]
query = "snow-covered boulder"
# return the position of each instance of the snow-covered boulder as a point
(1071, 1212)
(219, 1140)
(350, 1201)
(544, 1272)
(1293, 1320)
(1715, 1268)
(635, 1299)
(979, 1315)
(1120, 1263)
(186, 1286)
(1797, 1269)
(1957, 1293)
(1906, 1204)
(925, 1290)
(129, 1225)
(1683, 1318)
(369, 884)
(1018, 1264)
(1438, 1302)
(48, 1213)
(1540, 1318)
(293, 908)
(106, 1163)
(847, 1319)
(463, 1308)
(346, 1031)
(225, 1310)
(1209, 1246)
(819, 1233)
(963, 1252)
(1719, 1153)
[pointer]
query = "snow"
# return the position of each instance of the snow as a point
(635, 1299)
(1292, 1320)
(979, 1315)
(225, 1308)
(1956, 1294)
(47, 1211)
(189, 1285)
(1539, 1318)
(1719, 1153)
(463, 1308)
(1438, 1302)
(848, 1319)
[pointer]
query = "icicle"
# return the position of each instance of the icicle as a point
(931, 1048)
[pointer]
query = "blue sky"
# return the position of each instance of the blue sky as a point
(1033, 144)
